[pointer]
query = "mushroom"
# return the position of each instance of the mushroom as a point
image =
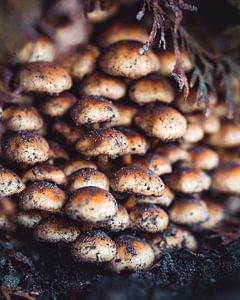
(55, 230)
(148, 217)
(7, 212)
(56, 151)
(123, 59)
(91, 204)
(132, 254)
(229, 155)
(232, 204)
(28, 219)
(215, 215)
(94, 246)
(209, 123)
(202, 157)
(163, 122)
(87, 177)
(188, 180)
(137, 180)
(26, 147)
(45, 172)
(68, 130)
(44, 196)
(103, 85)
(101, 10)
(188, 211)
(44, 77)
(172, 151)
(20, 118)
(151, 89)
(10, 183)
(77, 164)
(194, 133)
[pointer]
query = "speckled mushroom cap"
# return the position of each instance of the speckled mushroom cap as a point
(43, 77)
(28, 219)
(167, 60)
(87, 177)
(56, 151)
(57, 106)
(103, 85)
(56, 229)
(93, 109)
(45, 172)
(91, 204)
(94, 246)
(148, 218)
(102, 10)
(26, 147)
(40, 49)
(228, 135)
(163, 122)
(173, 237)
(123, 59)
(226, 178)
(82, 62)
(202, 157)
(19, 118)
(194, 133)
(132, 254)
(188, 211)
(10, 183)
(137, 180)
(120, 31)
(189, 180)
(215, 215)
(151, 89)
(43, 196)
(154, 162)
(173, 152)
(77, 164)
(68, 130)
(110, 142)
(137, 143)
(210, 124)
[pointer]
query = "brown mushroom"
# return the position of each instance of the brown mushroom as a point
(101, 10)
(172, 151)
(10, 183)
(7, 212)
(77, 164)
(56, 151)
(202, 157)
(215, 215)
(28, 219)
(68, 130)
(209, 123)
(194, 133)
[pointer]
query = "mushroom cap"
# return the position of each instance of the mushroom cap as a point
(123, 59)
(93, 109)
(137, 144)
(194, 133)
(188, 211)
(163, 122)
(132, 254)
(109, 141)
(91, 204)
(68, 130)
(28, 219)
(94, 246)
(232, 204)
(7, 211)
(103, 85)
(226, 178)
(19, 118)
(119, 222)
(148, 218)
(167, 60)
(156, 163)
(203, 158)
(77, 164)
(87, 177)
(82, 62)
(102, 10)
(210, 124)
(56, 229)
(229, 155)
(40, 49)
(215, 215)
(189, 180)
(173, 152)
(137, 180)
(43, 77)
(151, 89)
(10, 183)
(45, 172)
(26, 147)
(43, 196)
(56, 151)
(120, 31)
(57, 106)
(172, 238)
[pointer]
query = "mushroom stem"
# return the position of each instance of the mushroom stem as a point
(127, 159)
(103, 162)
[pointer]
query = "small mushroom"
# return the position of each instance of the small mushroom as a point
(56, 151)
(28, 219)
(137, 180)
(210, 123)
(229, 155)
(151, 89)
(77, 164)
(163, 122)
(215, 215)
(194, 133)
(26, 147)
(172, 151)
(10, 183)
(55, 230)
(202, 158)
(91, 204)
(44, 196)
(123, 59)
(68, 130)
(132, 254)
(43, 77)
(7, 212)
(101, 10)
(188, 211)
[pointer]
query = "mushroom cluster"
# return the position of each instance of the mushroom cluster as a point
(100, 151)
